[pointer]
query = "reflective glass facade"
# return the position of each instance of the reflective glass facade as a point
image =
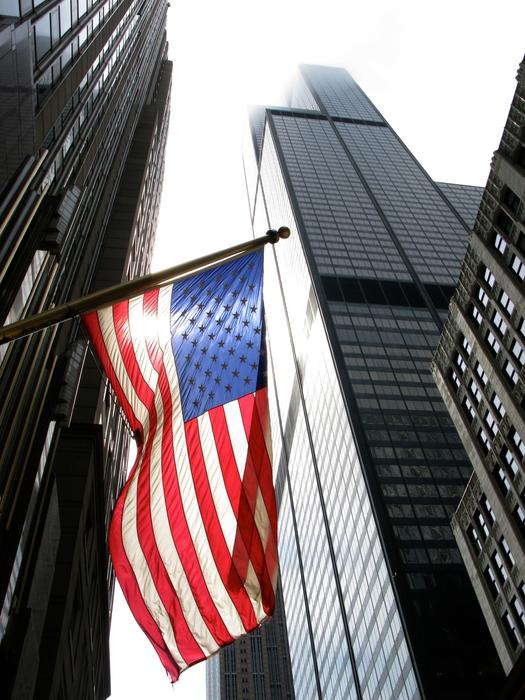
(369, 468)
(479, 368)
(333, 516)
(85, 88)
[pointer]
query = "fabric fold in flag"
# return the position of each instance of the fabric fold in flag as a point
(193, 536)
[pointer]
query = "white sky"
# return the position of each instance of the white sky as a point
(441, 73)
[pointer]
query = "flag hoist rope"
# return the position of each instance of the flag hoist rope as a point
(127, 290)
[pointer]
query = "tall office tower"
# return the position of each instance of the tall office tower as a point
(85, 92)
(479, 369)
(369, 467)
(256, 666)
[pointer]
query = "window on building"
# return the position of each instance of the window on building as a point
(65, 16)
(519, 352)
(467, 347)
(474, 390)
(506, 303)
(483, 297)
(511, 199)
(516, 439)
(476, 315)
(491, 422)
(519, 517)
(468, 408)
(507, 554)
(518, 266)
(501, 479)
(42, 36)
(511, 372)
(481, 374)
(55, 26)
(485, 503)
(500, 243)
(460, 362)
(511, 630)
(510, 460)
(483, 439)
(496, 402)
(492, 342)
(455, 380)
(474, 539)
(479, 519)
(519, 614)
(499, 568)
(499, 323)
(489, 277)
(490, 580)
(504, 221)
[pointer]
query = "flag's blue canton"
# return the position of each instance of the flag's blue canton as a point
(217, 334)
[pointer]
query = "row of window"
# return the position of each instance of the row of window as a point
(496, 573)
(499, 327)
(103, 88)
(53, 26)
(74, 9)
(51, 77)
(506, 468)
(505, 227)
(361, 290)
(513, 618)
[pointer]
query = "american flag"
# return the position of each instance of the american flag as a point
(194, 531)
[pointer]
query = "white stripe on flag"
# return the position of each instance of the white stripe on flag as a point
(253, 588)
(237, 434)
(261, 518)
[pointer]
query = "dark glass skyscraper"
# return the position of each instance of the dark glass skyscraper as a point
(369, 468)
(85, 88)
(479, 368)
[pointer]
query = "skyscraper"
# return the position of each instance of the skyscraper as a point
(369, 468)
(85, 91)
(256, 666)
(479, 369)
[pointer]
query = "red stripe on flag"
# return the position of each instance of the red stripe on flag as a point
(221, 554)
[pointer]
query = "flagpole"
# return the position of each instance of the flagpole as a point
(119, 292)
